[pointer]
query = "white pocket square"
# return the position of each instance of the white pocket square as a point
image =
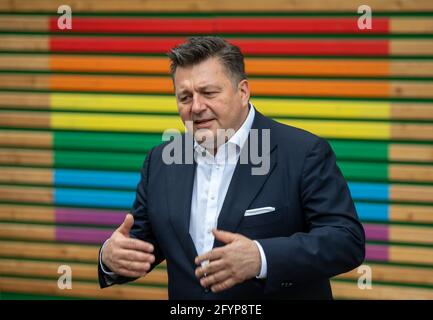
(257, 211)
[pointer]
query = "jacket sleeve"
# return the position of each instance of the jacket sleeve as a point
(141, 229)
(334, 240)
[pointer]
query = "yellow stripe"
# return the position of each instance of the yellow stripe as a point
(323, 108)
(151, 123)
(113, 122)
(343, 129)
(111, 102)
(274, 107)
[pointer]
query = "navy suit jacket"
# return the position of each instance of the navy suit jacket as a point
(314, 233)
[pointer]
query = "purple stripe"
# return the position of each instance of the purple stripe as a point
(376, 232)
(90, 216)
(377, 253)
(82, 235)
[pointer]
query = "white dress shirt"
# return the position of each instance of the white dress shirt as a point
(211, 182)
(212, 179)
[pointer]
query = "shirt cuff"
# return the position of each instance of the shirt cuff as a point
(264, 267)
(112, 274)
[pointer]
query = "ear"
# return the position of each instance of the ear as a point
(244, 91)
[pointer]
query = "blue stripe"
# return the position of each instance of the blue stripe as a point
(87, 178)
(94, 198)
(372, 211)
(369, 191)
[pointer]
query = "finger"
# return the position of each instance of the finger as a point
(134, 266)
(214, 254)
(126, 226)
(136, 244)
(221, 286)
(224, 236)
(215, 278)
(131, 274)
(134, 255)
(210, 268)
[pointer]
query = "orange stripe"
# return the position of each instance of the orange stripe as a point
(258, 86)
(253, 66)
(114, 83)
(113, 64)
(317, 67)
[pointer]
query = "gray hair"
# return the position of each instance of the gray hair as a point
(199, 49)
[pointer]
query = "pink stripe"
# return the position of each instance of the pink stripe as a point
(376, 232)
(89, 216)
(82, 235)
(377, 253)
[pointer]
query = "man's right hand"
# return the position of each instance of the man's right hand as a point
(126, 256)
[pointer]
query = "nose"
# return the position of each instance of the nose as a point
(197, 104)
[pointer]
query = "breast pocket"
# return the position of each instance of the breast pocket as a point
(268, 224)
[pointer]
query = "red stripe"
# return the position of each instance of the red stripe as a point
(248, 46)
(134, 25)
(298, 25)
(222, 25)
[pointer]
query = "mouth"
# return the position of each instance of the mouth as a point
(203, 123)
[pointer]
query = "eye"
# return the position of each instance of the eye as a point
(210, 93)
(184, 99)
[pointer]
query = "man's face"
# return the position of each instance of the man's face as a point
(207, 97)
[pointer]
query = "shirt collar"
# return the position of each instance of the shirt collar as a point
(240, 135)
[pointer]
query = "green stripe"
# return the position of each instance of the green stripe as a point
(364, 171)
(361, 150)
(105, 141)
(98, 160)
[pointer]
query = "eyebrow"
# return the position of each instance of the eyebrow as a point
(202, 88)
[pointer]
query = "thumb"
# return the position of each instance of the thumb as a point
(126, 226)
(224, 236)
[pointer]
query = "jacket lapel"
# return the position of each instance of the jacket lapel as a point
(179, 183)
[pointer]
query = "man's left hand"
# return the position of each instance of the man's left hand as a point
(237, 261)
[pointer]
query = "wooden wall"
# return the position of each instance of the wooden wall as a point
(79, 109)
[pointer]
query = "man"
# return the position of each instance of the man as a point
(225, 232)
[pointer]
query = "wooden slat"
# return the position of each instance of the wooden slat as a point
(414, 111)
(393, 273)
(216, 6)
(26, 194)
(411, 68)
(406, 89)
(411, 47)
(27, 81)
(410, 25)
(405, 172)
(24, 62)
(412, 132)
(26, 157)
(411, 254)
(50, 251)
(24, 100)
(81, 289)
(24, 23)
(26, 175)
(27, 232)
(409, 152)
(20, 213)
(80, 271)
(25, 119)
(24, 43)
(408, 213)
(9, 138)
(284, 87)
(418, 234)
(254, 66)
(349, 290)
(411, 193)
